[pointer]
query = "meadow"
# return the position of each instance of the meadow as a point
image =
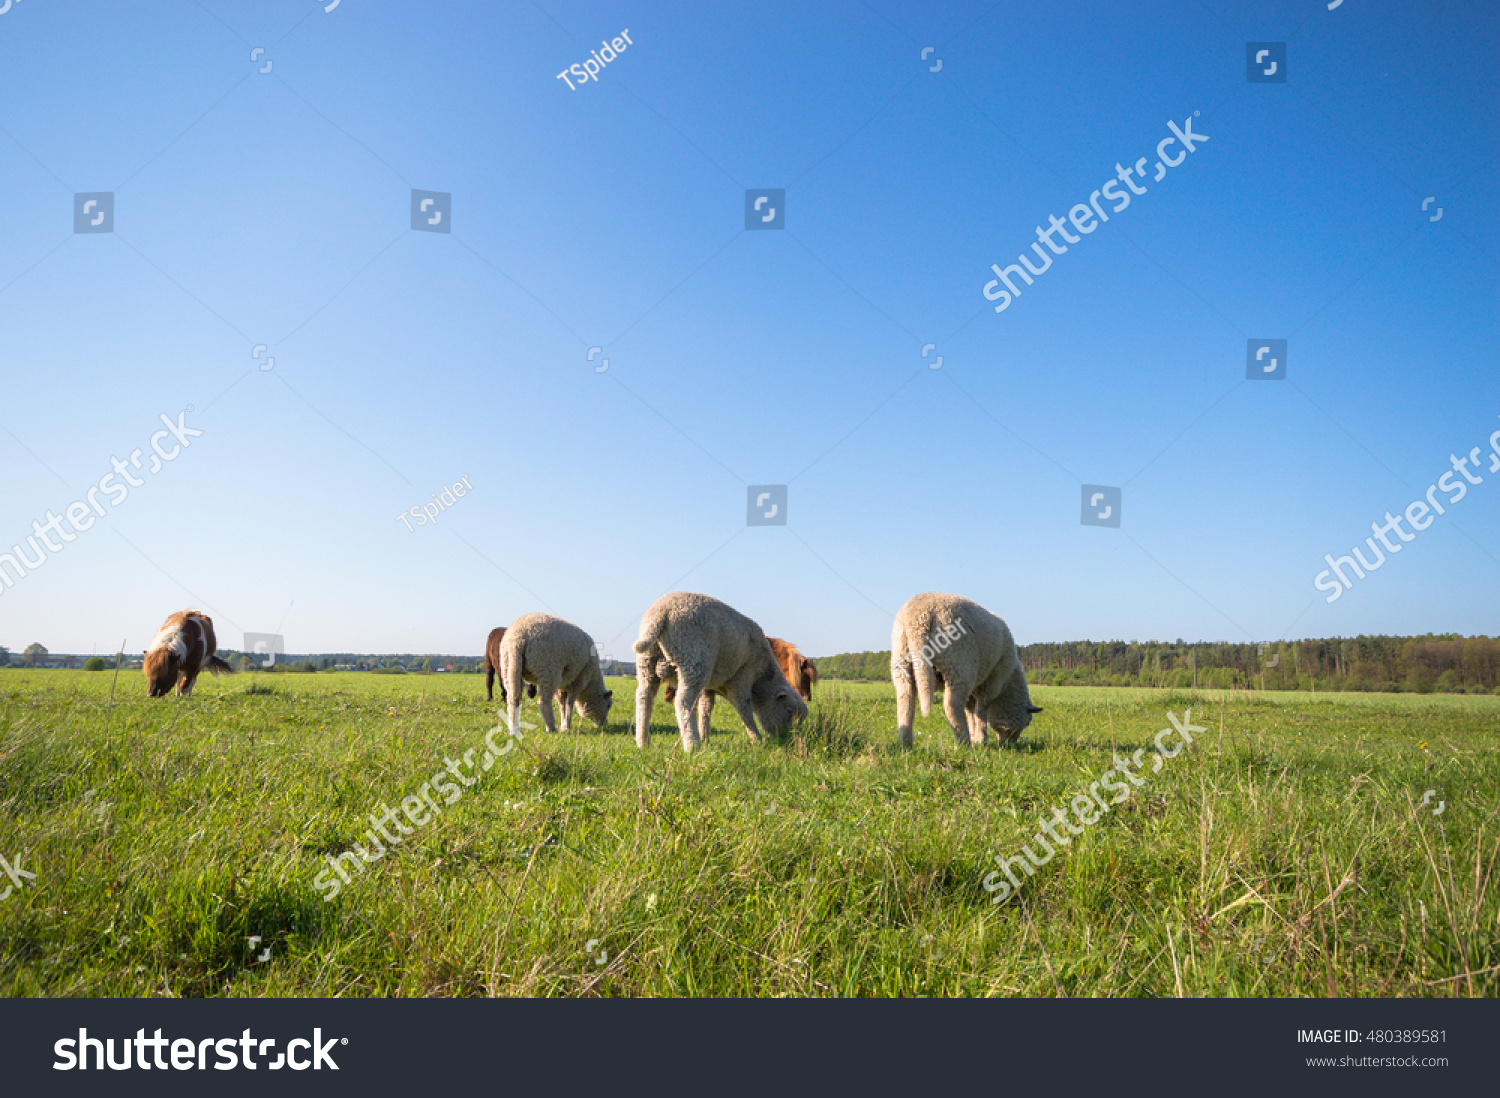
(1287, 852)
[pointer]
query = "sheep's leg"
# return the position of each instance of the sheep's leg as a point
(953, 708)
(513, 715)
(976, 725)
(512, 689)
(688, 694)
(744, 706)
(906, 702)
(544, 693)
(646, 684)
(565, 703)
(569, 701)
(705, 714)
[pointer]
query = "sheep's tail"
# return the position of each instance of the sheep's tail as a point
(926, 679)
(926, 675)
(651, 631)
(216, 666)
(512, 681)
(906, 675)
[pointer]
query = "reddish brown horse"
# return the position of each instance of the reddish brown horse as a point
(184, 647)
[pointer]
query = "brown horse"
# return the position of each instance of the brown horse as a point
(184, 647)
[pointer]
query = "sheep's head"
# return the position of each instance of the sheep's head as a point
(597, 707)
(1010, 711)
(162, 667)
(777, 705)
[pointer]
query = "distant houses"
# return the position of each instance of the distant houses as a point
(250, 661)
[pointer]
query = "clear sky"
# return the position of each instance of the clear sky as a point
(275, 208)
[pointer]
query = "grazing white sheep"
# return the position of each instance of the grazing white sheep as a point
(703, 646)
(800, 671)
(559, 658)
(949, 639)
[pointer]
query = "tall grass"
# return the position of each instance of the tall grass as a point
(1287, 852)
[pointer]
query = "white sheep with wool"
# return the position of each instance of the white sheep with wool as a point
(950, 640)
(706, 646)
(560, 659)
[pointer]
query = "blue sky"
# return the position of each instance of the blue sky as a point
(274, 208)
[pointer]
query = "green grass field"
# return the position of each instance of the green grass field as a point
(1286, 852)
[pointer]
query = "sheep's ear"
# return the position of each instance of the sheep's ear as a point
(1033, 709)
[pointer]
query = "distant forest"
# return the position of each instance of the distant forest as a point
(35, 655)
(1445, 664)
(1448, 664)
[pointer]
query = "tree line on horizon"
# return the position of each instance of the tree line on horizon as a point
(35, 655)
(1432, 663)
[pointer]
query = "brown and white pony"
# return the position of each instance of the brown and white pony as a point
(184, 647)
(798, 669)
(492, 667)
